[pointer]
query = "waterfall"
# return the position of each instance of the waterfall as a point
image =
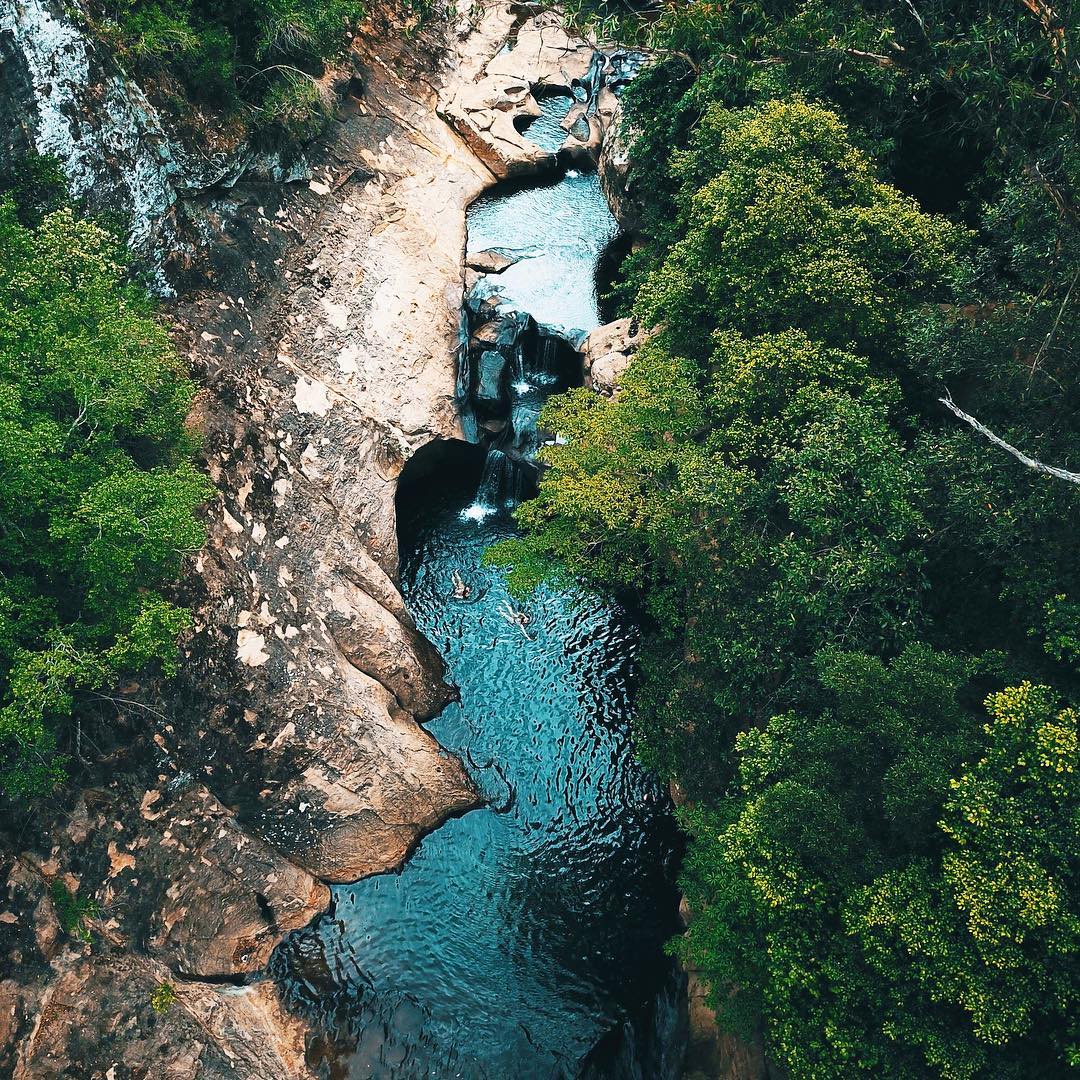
(521, 378)
(500, 487)
(464, 379)
(545, 366)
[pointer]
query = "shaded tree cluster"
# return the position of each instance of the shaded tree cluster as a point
(860, 609)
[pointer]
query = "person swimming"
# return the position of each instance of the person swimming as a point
(461, 590)
(516, 618)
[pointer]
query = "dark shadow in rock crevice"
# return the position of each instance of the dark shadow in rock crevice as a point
(438, 468)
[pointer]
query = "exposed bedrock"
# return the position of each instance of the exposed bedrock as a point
(492, 110)
(323, 387)
(607, 352)
(61, 93)
(182, 895)
(494, 106)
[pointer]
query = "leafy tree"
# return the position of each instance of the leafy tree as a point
(832, 568)
(895, 881)
(784, 223)
(258, 61)
(98, 495)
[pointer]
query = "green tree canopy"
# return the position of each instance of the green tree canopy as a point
(757, 489)
(893, 886)
(98, 495)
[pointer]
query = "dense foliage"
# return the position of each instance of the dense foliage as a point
(257, 58)
(855, 605)
(98, 495)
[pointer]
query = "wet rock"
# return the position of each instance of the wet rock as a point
(230, 897)
(486, 334)
(585, 137)
(368, 790)
(650, 1044)
(491, 380)
(490, 262)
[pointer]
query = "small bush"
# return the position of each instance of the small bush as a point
(72, 911)
(252, 57)
(163, 998)
(294, 106)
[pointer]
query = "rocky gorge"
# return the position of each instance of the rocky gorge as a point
(320, 302)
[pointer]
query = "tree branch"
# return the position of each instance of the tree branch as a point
(1030, 462)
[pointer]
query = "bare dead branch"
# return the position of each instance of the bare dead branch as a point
(1030, 462)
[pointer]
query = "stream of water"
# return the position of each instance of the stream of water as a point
(519, 936)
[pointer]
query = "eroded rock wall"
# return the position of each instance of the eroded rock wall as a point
(63, 94)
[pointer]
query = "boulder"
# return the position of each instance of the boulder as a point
(491, 379)
(492, 261)
(614, 165)
(607, 352)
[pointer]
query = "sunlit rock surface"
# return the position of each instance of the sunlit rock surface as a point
(607, 353)
(492, 110)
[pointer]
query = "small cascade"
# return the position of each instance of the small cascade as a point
(524, 420)
(521, 384)
(508, 367)
(500, 487)
(523, 324)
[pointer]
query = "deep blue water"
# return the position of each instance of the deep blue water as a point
(518, 935)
